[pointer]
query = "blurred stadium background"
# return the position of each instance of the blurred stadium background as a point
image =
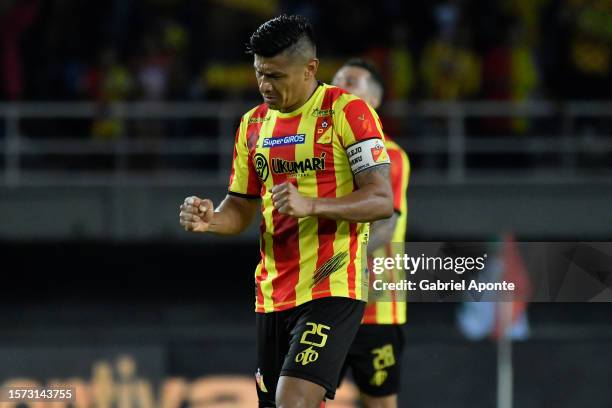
(113, 111)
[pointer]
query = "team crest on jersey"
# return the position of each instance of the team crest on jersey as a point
(323, 133)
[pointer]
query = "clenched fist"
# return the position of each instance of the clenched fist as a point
(287, 200)
(196, 214)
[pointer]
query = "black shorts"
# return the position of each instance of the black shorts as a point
(375, 359)
(310, 342)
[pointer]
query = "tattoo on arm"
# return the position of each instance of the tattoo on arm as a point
(369, 175)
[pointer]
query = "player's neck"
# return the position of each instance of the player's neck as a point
(312, 87)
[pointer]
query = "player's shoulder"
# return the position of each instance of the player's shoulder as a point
(343, 102)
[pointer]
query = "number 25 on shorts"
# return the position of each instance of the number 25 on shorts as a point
(316, 330)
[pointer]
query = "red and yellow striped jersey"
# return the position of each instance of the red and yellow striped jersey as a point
(306, 258)
(391, 309)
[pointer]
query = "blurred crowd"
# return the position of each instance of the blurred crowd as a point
(194, 49)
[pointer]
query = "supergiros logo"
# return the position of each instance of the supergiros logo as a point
(284, 140)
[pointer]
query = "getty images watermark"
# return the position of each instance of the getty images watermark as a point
(411, 265)
(440, 271)
(492, 271)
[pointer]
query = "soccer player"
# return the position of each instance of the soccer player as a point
(312, 158)
(375, 354)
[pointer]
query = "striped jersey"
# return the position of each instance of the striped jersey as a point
(311, 257)
(391, 307)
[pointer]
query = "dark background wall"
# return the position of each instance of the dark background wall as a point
(185, 309)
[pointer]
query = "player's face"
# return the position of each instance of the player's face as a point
(355, 80)
(283, 81)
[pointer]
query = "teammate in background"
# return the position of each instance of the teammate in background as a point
(312, 158)
(375, 356)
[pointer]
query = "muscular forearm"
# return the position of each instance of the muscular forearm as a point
(373, 199)
(367, 204)
(232, 216)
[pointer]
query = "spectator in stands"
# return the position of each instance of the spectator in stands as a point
(111, 82)
(450, 69)
(509, 74)
(15, 18)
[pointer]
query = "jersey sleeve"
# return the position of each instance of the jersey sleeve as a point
(244, 181)
(362, 136)
(400, 173)
(358, 122)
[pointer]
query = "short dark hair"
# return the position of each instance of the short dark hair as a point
(277, 35)
(368, 66)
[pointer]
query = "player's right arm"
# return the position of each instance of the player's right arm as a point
(237, 210)
(232, 217)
